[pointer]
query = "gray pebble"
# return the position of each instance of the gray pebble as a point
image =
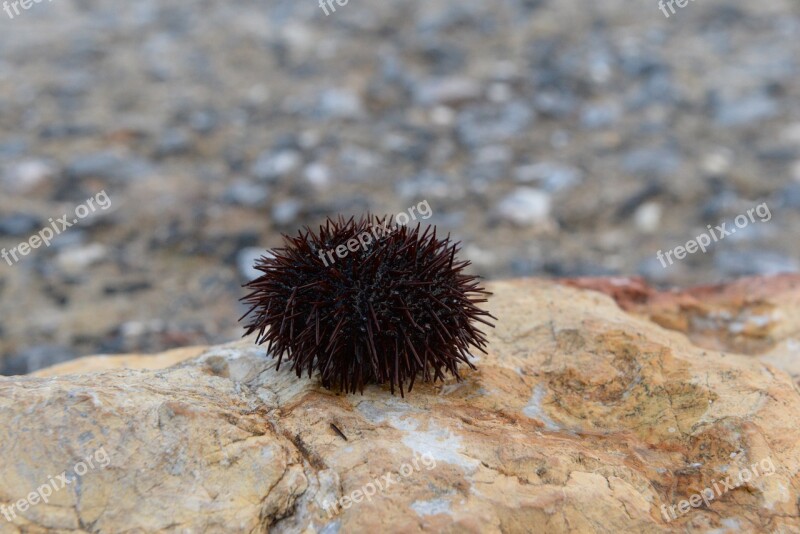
(272, 166)
(446, 91)
(19, 224)
(753, 262)
(246, 193)
(286, 211)
(246, 260)
(651, 161)
(550, 176)
(340, 104)
(745, 110)
(108, 165)
(173, 142)
(493, 123)
(34, 358)
(526, 206)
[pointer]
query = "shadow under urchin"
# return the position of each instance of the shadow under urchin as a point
(397, 307)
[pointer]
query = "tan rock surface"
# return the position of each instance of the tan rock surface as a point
(91, 364)
(583, 418)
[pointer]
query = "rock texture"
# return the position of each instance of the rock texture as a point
(583, 417)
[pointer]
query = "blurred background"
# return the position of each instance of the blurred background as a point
(552, 137)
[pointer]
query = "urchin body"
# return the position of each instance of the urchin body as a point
(397, 307)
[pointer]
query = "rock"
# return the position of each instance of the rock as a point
(796, 171)
(596, 116)
(651, 162)
(92, 364)
(27, 175)
(74, 260)
(318, 176)
(246, 193)
(713, 316)
(745, 110)
(648, 217)
(19, 225)
(246, 260)
(555, 104)
(426, 185)
(481, 125)
(173, 142)
(340, 104)
(272, 166)
(526, 206)
(446, 91)
(582, 417)
(106, 165)
(203, 121)
(286, 211)
(717, 163)
(751, 262)
(552, 177)
(500, 92)
(35, 358)
(790, 196)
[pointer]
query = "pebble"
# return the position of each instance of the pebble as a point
(481, 258)
(494, 155)
(246, 259)
(359, 163)
(526, 206)
(19, 225)
(272, 166)
(493, 123)
(318, 176)
(107, 165)
(652, 269)
(790, 196)
(340, 104)
(550, 176)
(446, 91)
(246, 193)
(203, 121)
(796, 171)
(647, 217)
(173, 142)
(746, 110)
(286, 211)
(75, 260)
(753, 262)
(426, 185)
(717, 163)
(555, 104)
(500, 92)
(597, 116)
(27, 175)
(660, 162)
(135, 329)
(34, 358)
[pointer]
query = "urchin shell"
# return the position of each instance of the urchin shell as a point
(396, 307)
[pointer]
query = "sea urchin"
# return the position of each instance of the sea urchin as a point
(394, 305)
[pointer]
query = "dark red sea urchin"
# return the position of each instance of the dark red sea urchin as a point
(396, 306)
